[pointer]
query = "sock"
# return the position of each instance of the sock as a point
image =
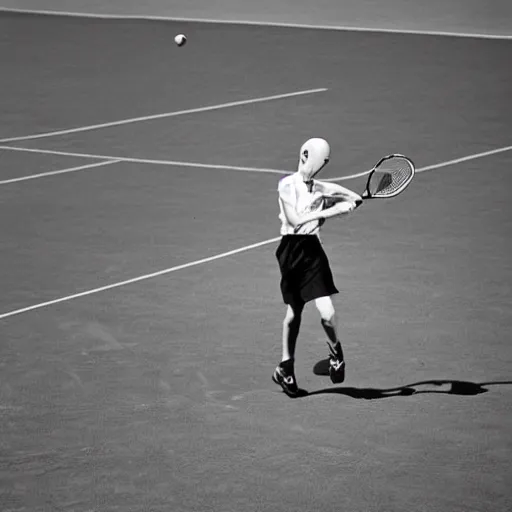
(287, 365)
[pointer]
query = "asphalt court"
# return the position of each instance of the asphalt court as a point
(390, 91)
(157, 394)
(94, 216)
(19, 164)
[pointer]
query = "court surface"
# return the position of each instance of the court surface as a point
(154, 394)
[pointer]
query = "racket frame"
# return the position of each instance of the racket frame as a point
(366, 194)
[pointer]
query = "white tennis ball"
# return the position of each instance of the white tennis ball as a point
(180, 39)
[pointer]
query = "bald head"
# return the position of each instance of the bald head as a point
(314, 155)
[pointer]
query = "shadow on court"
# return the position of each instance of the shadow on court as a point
(441, 386)
(447, 387)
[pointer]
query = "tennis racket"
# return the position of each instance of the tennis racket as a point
(391, 176)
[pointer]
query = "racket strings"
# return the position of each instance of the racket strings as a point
(391, 177)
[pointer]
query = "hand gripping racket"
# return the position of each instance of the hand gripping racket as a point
(389, 177)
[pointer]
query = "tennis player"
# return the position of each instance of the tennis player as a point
(304, 204)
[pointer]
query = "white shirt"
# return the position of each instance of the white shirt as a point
(295, 192)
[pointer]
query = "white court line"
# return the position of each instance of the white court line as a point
(62, 171)
(146, 160)
(164, 115)
(438, 165)
(344, 28)
(464, 159)
(140, 278)
(222, 255)
(240, 168)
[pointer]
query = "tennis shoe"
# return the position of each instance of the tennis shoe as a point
(286, 379)
(336, 364)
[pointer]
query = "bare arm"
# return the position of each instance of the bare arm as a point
(333, 190)
(295, 219)
(340, 208)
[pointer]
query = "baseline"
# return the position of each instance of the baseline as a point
(344, 28)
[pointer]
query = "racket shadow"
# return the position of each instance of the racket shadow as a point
(439, 386)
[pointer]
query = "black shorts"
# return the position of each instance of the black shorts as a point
(305, 271)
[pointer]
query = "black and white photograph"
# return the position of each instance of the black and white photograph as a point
(255, 256)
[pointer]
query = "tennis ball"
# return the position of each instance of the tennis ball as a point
(180, 39)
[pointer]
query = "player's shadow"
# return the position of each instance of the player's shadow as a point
(443, 386)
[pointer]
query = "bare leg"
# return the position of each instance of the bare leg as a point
(291, 326)
(336, 360)
(328, 320)
(284, 374)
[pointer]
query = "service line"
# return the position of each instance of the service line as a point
(162, 116)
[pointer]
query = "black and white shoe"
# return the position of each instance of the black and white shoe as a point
(284, 376)
(336, 364)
